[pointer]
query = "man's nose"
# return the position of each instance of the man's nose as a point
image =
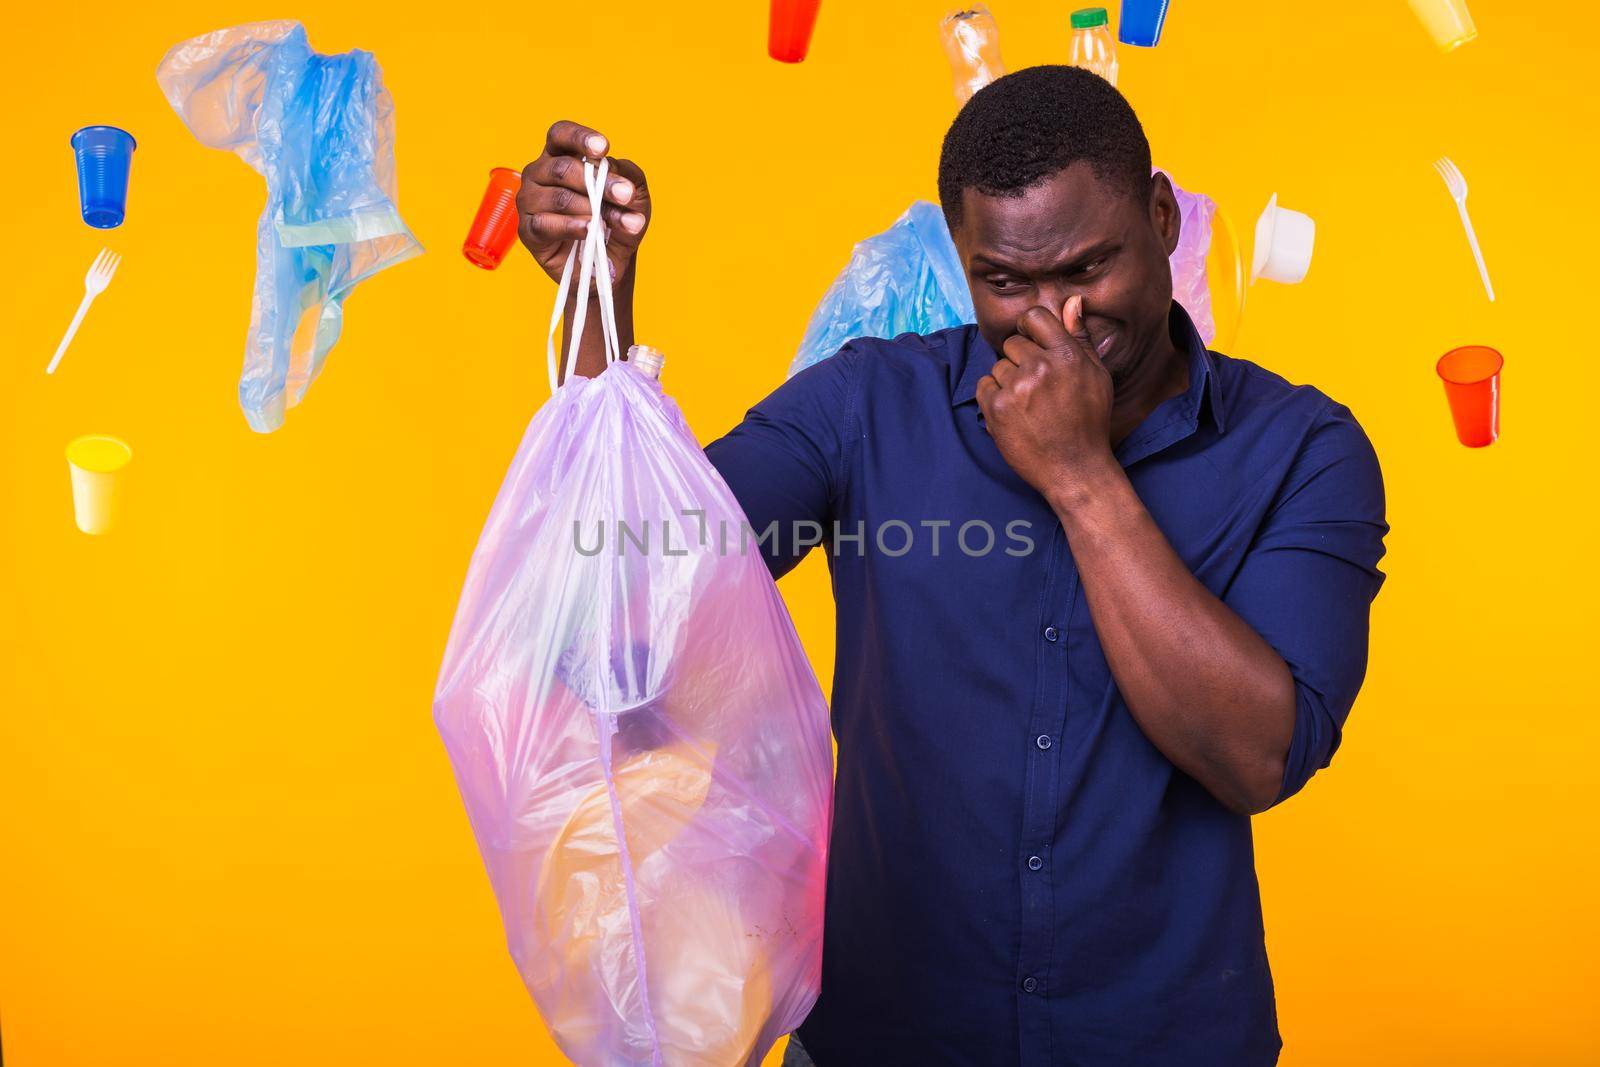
(1055, 294)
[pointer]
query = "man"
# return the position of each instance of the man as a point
(1049, 750)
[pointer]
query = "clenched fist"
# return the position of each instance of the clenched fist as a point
(554, 203)
(1047, 402)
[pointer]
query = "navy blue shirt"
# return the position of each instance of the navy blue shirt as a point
(1017, 875)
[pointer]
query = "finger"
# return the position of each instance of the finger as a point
(1073, 322)
(1043, 327)
(534, 199)
(626, 226)
(566, 172)
(633, 173)
(545, 227)
(1021, 351)
(986, 391)
(555, 171)
(575, 139)
(1003, 371)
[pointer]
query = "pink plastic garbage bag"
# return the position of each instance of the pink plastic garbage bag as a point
(1190, 287)
(639, 740)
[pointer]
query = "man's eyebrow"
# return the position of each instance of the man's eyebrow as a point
(1076, 258)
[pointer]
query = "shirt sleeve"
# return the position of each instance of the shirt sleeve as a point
(786, 462)
(1308, 583)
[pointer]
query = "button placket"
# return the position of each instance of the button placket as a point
(1041, 811)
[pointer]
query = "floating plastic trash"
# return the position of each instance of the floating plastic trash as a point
(1092, 46)
(96, 462)
(101, 270)
(972, 44)
(909, 279)
(1284, 243)
(1456, 182)
(494, 229)
(1471, 377)
(105, 156)
(789, 27)
(641, 746)
(1448, 22)
(1190, 261)
(1141, 22)
(320, 129)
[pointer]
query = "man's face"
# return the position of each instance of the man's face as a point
(1074, 234)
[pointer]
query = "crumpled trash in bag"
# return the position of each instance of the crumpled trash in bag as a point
(909, 279)
(639, 741)
(320, 129)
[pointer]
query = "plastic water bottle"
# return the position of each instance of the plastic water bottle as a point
(1092, 45)
(972, 44)
(648, 361)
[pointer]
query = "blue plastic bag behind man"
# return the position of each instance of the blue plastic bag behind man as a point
(320, 129)
(909, 279)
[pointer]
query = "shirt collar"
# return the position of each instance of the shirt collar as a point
(1204, 382)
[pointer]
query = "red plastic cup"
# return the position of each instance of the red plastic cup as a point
(494, 230)
(789, 29)
(1471, 376)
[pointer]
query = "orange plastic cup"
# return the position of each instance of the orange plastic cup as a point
(494, 230)
(789, 29)
(1471, 376)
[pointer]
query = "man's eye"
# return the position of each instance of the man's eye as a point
(1091, 268)
(1005, 285)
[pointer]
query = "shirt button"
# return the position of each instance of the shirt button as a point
(1030, 984)
(1035, 863)
(1051, 633)
(1043, 741)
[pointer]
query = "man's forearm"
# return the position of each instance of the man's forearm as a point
(1205, 688)
(591, 348)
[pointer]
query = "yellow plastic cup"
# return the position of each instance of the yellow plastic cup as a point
(1448, 22)
(96, 463)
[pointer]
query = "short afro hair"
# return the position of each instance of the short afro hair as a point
(1022, 128)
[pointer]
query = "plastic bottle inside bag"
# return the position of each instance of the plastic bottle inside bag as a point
(1092, 45)
(649, 361)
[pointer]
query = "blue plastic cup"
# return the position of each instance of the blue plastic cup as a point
(104, 156)
(1141, 22)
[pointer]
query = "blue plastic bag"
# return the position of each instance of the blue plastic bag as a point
(320, 129)
(909, 279)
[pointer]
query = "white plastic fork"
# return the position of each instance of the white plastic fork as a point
(1456, 182)
(94, 283)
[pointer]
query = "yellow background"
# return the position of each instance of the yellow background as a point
(230, 833)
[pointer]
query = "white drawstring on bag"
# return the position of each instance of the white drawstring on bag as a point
(589, 254)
